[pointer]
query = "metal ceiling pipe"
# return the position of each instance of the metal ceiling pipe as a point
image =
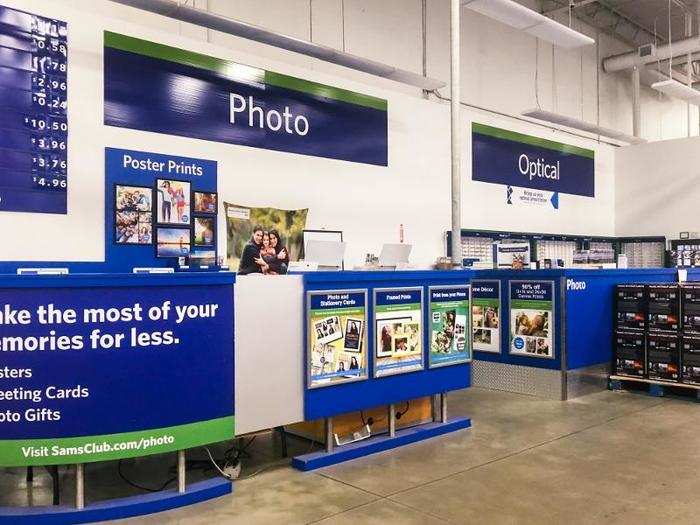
(455, 133)
(258, 34)
(631, 59)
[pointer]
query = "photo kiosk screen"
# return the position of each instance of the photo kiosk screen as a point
(336, 337)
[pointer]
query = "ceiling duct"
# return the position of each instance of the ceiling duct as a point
(258, 34)
(662, 52)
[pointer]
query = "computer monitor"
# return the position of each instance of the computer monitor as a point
(393, 255)
(328, 254)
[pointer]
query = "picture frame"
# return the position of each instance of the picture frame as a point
(200, 227)
(173, 202)
(354, 332)
(125, 198)
(132, 228)
(205, 203)
(169, 242)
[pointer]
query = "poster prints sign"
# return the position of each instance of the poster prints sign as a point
(449, 325)
(486, 316)
(532, 318)
(337, 347)
(398, 328)
(72, 356)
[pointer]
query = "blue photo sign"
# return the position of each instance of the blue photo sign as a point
(398, 330)
(513, 159)
(337, 337)
(107, 372)
(163, 89)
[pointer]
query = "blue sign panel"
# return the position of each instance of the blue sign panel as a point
(532, 311)
(513, 159)
(34, 102)
(90, 374)
(162, 89)
(449, 326)
(398, 331)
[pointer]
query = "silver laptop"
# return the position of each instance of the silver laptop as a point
(393, 255)
(327, 254)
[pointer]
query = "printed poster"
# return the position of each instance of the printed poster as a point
(398, 320)
(486, 316)
(532, 318)
(337, 335)
(449, 325)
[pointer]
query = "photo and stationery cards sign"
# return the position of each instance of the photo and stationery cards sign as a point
(449, 325)
(532, 318)
(486, 316)
(337, 337)
(398, 328)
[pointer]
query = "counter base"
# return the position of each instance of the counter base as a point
(117, 508)
(379, 443)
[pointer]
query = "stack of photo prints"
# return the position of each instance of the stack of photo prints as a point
(182, 223)
(338, 350)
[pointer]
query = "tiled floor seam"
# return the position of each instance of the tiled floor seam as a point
(518, 452)
(380, 498)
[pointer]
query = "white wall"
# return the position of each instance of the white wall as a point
(367, 202)
(658, 188)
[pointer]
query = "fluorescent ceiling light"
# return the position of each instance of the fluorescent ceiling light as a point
(520, 17)
(582, 125)
(675, 89)
(258, 34)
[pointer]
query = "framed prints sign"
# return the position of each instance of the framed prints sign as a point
(532, 318)
(398, 330)
(337, 337)
(486, 316)
(450, 342)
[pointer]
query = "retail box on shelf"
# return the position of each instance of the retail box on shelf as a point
(663, 307)
(630, 307)
(629, 353)
(690, 359)
(663, 356)
(690, 307)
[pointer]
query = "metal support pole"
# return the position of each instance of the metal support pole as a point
(80, 486)
(636, 105)
(181, 471)
(689, 63)
(443, 408)
(392, 421)
(329, 435)
(456, 124)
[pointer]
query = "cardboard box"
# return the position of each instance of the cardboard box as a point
(663, 357)
(663, 307)
(690, 308)
(690, 359)
(629, 354)
(630, 307)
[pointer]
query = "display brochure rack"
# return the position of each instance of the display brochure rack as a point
(149, 413)
(385, 325)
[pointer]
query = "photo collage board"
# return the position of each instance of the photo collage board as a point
(172, 216)
(450, 339)
(486, 316)
(532, 318)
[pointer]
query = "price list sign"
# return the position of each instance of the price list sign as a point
(33, 105)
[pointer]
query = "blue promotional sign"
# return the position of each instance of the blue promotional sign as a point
(34, 104)
(129, 173)
(398, 329)
(449, 326)
(532, 318)
(514, 159)
(92, 374)
(337, 337)
(163, 89)
(486, 316)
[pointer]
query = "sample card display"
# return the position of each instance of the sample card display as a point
(398, 330)
(97, 374)
(449, 326)
(34, 124)
(532, 318)
(337, 344)
(486, 316)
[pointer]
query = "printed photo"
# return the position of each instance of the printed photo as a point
(531, 322)
(322, 359)
(485, 328)
(353, 334)
(173, 201)
(135, 198)
(204, 231)
(482, 336)
(348, 363)
(172, 242)
(328, 329)
(205, 202)
(397, 337)
(145, 228)
(126, 225)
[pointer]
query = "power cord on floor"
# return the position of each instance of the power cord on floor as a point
(142, 487)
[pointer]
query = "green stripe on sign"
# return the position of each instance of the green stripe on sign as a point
(505, 134)
(237, 72)
(88, 449)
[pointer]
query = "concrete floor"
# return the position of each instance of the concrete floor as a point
(612, 456)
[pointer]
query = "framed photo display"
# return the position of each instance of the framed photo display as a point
(205, 202)
(172, 242)
(532, 318)
(173, 202)
(450, 338)
(336, 337)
